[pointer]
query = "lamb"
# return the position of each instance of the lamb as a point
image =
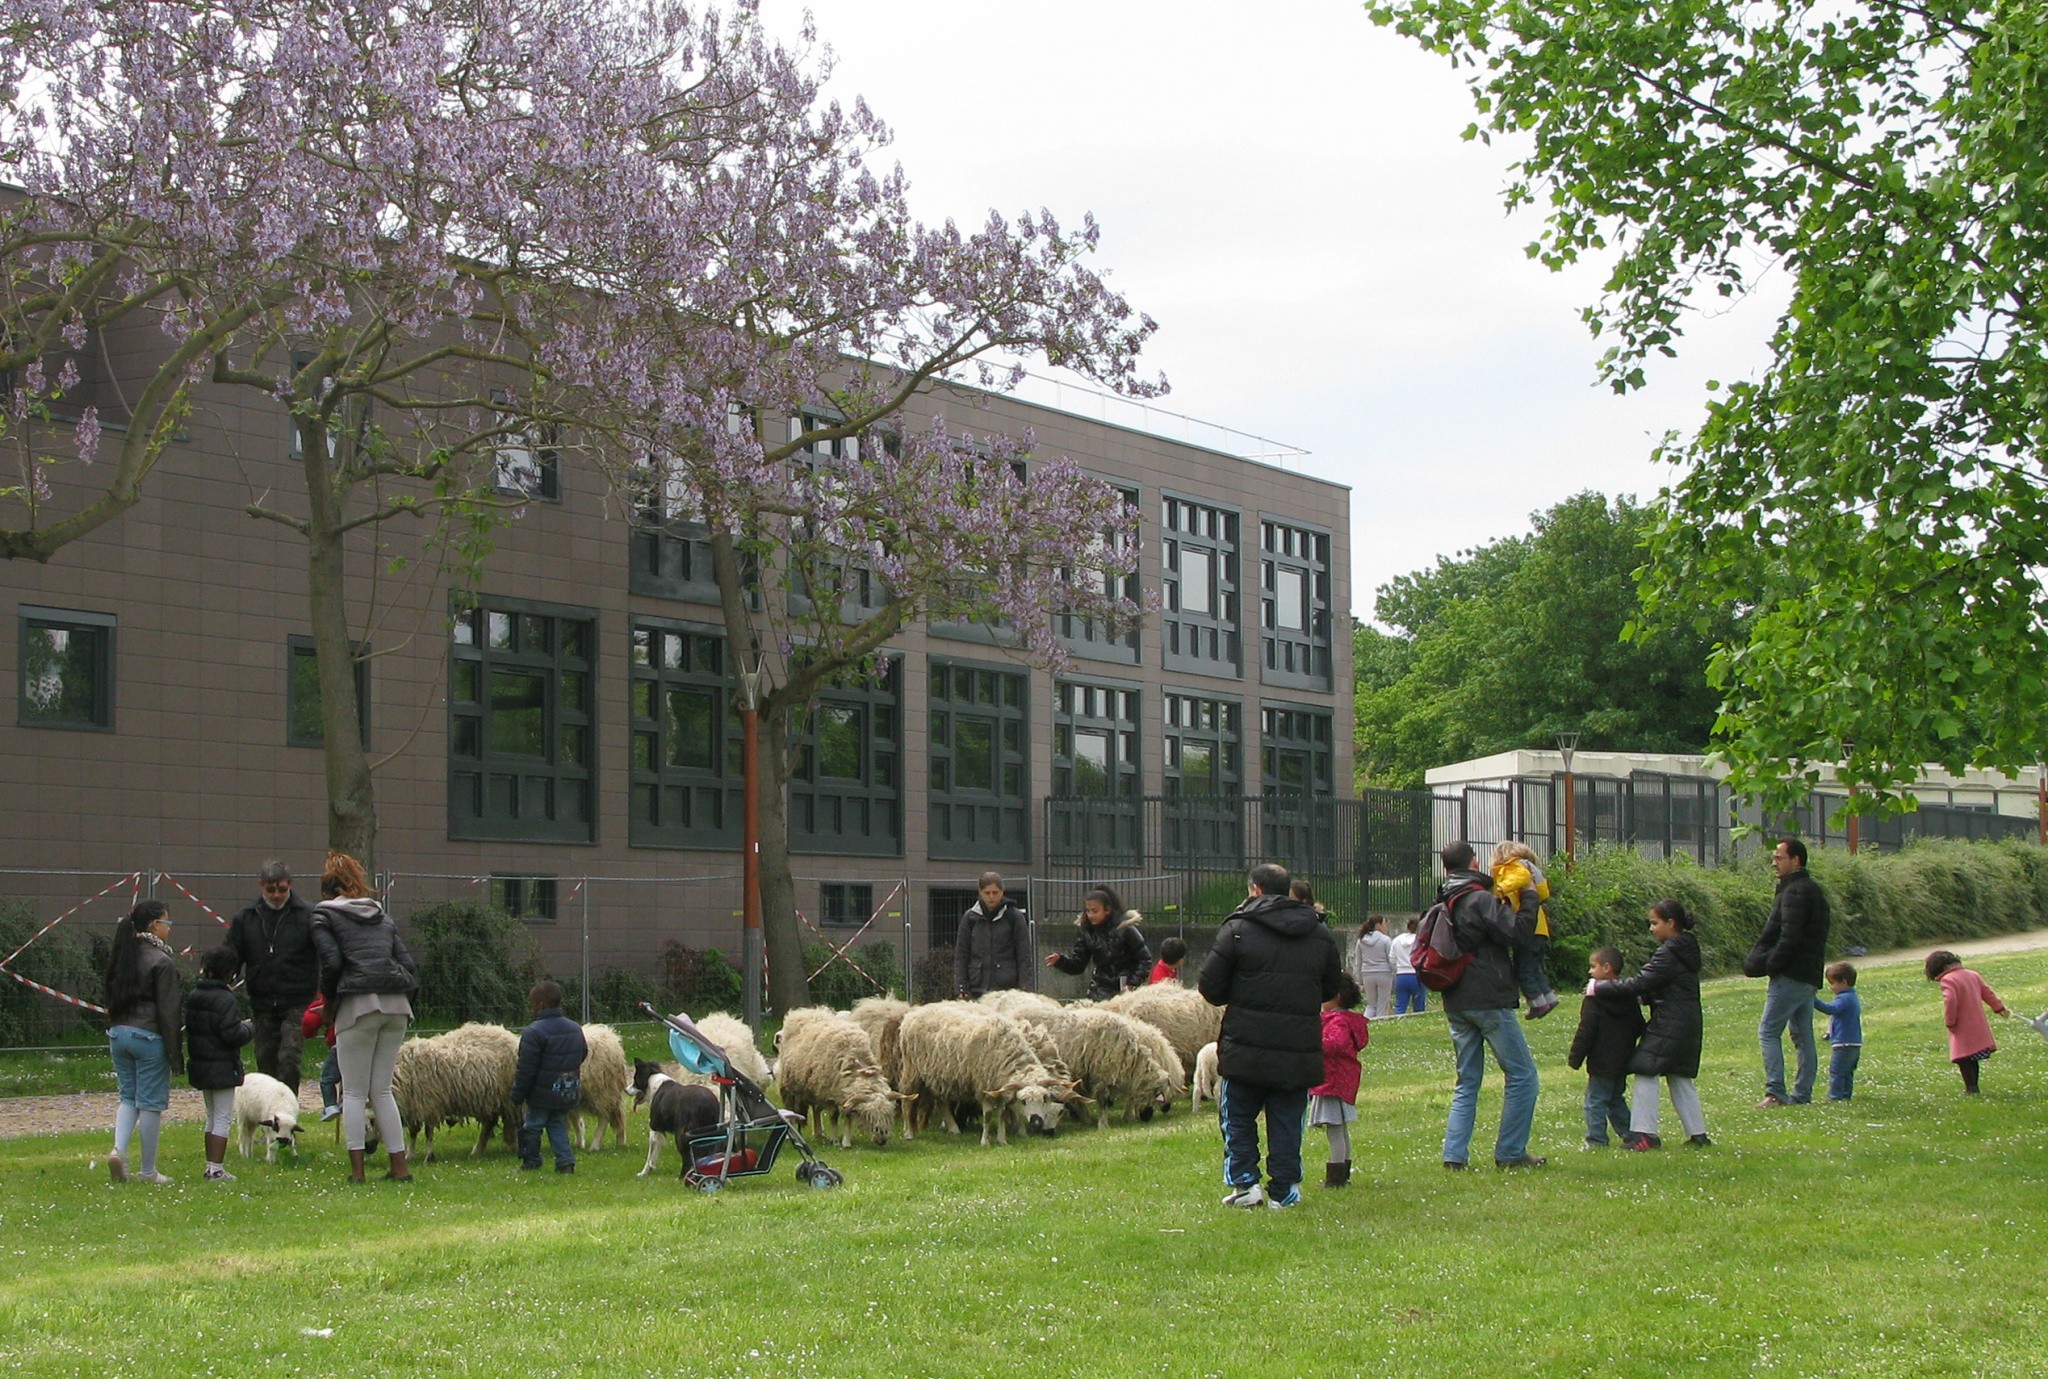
(958, 1051)
(829, 1065)
(266, 1102)
(1118, 1059)
(1208, 1080)
(730, 1033)
(1178, 1012)
(465, 1074)
(605, 1079)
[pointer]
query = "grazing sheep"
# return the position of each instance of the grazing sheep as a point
(794, 1022)
(1208, 1077)
(958, 1051)
(730, 1033)
(1178, 1012)
(829, 1065)
(1046, 1047)
(1018, 1004)
(606, 1077)
(1115, 1058)
(465, 1074)
(266, 1102)
(876, 1014)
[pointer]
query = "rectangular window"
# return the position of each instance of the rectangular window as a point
(845, 903)
(1199, 624)
(978, 771)
(685, 738)
(1204, 746)
(1089, 638)
(303, 725)
(67, 670)
(1295, 616)
(1095, 813)
(845, 795)
(525, 897)
(528, 459)
(522, 719)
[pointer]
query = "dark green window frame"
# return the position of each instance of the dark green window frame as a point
(685, 791)
(302, 726)
(846, 793)
(978, 772)
(1297, 750)
(526, 462)
(1087, 639)
(1294, 605)
(1204, 745)
(88, 649)
(522, 722)
(845, 904)
(1201, 576)
(531, 898)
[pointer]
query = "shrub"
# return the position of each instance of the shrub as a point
(840, 984)
(615, 995)
(698, 981)
(933, 977)
(63, 958)
(476, 963)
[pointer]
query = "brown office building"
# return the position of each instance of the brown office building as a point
(569, 748)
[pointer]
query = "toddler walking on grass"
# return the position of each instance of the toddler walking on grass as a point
(1333, 1103)
(1610, 1024)
(1845, 1030)
(1963, 998)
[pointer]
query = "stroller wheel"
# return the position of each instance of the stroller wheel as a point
(818, 1175)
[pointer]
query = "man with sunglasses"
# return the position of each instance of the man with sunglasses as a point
(281, 968)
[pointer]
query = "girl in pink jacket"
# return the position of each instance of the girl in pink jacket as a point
(1333, 1102)
(1963, 998)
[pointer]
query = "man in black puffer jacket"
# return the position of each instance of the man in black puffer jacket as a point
(1792, 951)
(548, 1081)
(1273, 965)
(273, 939)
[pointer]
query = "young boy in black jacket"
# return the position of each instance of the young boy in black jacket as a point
(1609, 1029)
(214, 1034)
(549, 1081)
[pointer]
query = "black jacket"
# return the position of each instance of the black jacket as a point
(1273, 965)
(1487, 930)
(992, 952)
(1609, 1026)
(360, 950)
(280, 965)
(1794, 942)
(551, 1053)
(1117, 950)
(214, 1031)
(1670, 982)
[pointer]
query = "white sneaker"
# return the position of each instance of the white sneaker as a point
(1291, 1198)
(1246, 1197)
(328, 1113)
(157, 1178)
(218, 1173)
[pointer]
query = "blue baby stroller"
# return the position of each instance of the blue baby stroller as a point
(752, 1133)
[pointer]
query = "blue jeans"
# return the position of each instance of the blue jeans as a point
(1473, 1032)
(1241, 1103)
(142, 1067)
(556, 1123)
(1788, 1002)
(1842, 1071)
(1529, 973)
(1409, 994)
(330, 1080)
(1606, 1104)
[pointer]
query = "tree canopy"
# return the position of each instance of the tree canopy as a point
(1508, 644)
(1876, 495)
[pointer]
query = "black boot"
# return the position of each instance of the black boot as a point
(529, 1147)
(1337, 1173)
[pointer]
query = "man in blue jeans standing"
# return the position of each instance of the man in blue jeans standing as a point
(1482, 1008)
(1274, 963)
(1791, 951)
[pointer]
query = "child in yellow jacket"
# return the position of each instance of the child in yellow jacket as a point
(1521, 886)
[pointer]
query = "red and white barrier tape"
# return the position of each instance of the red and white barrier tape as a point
(133, 879)
(54, 993)
(218, 918)
(839, 953)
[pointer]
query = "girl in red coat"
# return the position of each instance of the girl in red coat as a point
(1963, 998)
(1333, 1104)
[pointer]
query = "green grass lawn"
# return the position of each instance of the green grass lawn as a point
(1899, 1235)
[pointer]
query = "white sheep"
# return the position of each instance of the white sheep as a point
(266, 1102)
(794, 1022)
(1115, 1058)
(465, 1074)
(829, 1065)
(606, 1076)
(1176, 1011)
(875, 1014)
(730, 1033)
(1208, 1077)
(1046, 1047)
(958, 1051)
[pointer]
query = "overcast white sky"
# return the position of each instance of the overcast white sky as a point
(1284, 188)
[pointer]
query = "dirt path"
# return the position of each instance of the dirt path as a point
(1962, 948)
(62, 1115)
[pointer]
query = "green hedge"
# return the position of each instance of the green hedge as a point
(1933, 889)
(66, 958)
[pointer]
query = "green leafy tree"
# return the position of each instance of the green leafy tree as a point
(1876, 494)
(1507, 645)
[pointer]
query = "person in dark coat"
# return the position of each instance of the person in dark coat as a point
(1110, 942)
(1481, 1010)
(993, 949)
(1609, 1026)
(214, 1034)
(273, 942)
(1792, 952)
(1273, 965)
(548, 1081)
(1670, 982)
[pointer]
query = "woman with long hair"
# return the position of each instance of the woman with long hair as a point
(367, 978)
(143, 1001)
(1110, 941)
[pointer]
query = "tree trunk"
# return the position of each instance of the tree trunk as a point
(788, 978)
(351, 797)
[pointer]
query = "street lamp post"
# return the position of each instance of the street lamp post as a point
(1855, 831)
(2041, 791)
(750, 843)
(1567, 746)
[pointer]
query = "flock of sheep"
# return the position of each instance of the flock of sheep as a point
(1017, 1058)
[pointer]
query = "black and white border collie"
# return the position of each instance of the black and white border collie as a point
(678, 1110)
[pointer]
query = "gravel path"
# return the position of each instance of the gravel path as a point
(62, 1115)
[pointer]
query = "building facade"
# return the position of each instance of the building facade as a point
(568, 744)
